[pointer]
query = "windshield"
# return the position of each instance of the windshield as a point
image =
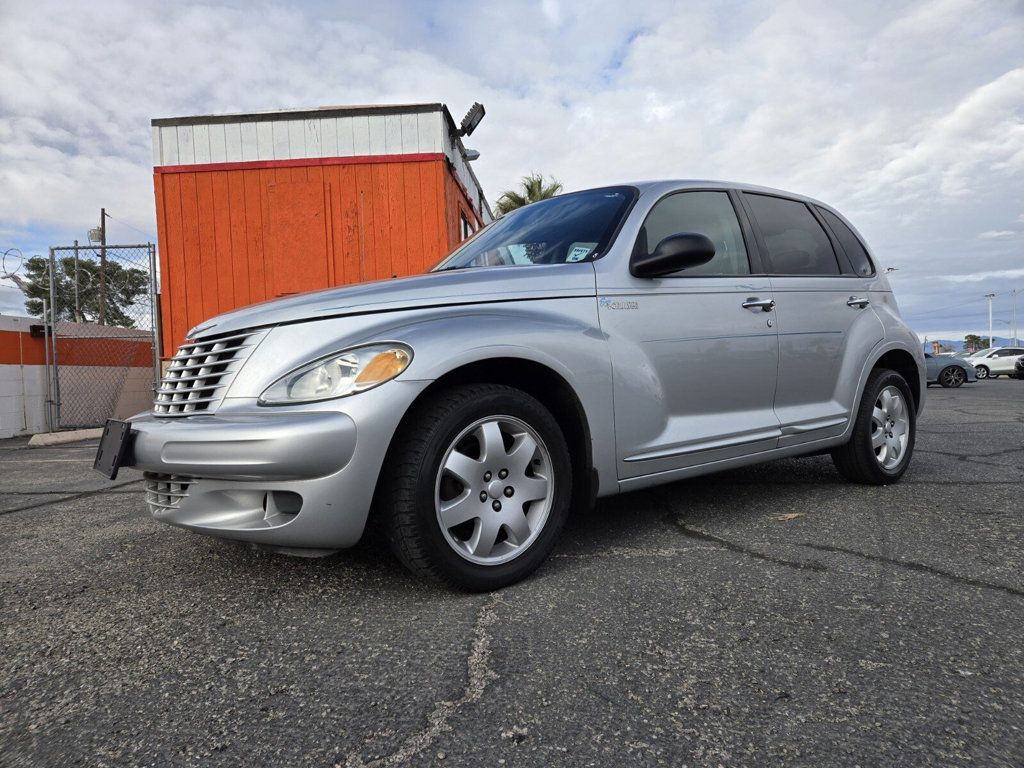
(567, 228)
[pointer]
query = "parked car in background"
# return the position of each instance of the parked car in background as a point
(997, 361)
(947, 371)
(594, 343)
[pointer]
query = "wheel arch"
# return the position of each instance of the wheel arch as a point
(546, 385)
(903, 362)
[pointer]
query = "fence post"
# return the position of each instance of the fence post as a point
(49, 368)
(78, 312)
(154, 311)
(53, 339)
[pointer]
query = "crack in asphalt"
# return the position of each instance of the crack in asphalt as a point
(480, 674)
(920, 567)
(72, 497)
(701, 535)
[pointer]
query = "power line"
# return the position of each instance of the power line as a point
(125, 223)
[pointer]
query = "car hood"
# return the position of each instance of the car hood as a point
(463, 286)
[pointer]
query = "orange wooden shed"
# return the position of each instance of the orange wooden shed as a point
(255, 206)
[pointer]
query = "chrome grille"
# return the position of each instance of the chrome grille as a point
(199, 374)
(165, 491)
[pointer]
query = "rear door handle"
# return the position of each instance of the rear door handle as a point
(857, 301)
(765, 305)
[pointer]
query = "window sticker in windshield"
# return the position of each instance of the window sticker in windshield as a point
(580, 251)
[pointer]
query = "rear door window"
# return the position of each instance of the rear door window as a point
(855, 250)
(796, 243)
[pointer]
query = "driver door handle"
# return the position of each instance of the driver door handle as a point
(857, 301)
(765, 305)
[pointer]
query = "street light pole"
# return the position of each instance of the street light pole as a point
(990, 296)
(103, 268)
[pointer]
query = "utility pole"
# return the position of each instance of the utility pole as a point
(1013, 313)
(78, 311)
(103, 271)
(990, 296)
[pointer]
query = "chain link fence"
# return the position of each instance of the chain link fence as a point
(103, 355)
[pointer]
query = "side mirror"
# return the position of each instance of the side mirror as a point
(675, 252)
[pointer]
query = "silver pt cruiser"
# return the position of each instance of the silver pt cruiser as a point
(587, 345)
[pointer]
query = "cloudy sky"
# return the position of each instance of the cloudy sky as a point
(909, 117)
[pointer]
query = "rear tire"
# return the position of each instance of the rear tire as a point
(885, 425)
(446, 516)
(952, 377)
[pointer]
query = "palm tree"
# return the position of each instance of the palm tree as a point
(531, 189)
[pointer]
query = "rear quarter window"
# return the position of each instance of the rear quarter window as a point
(855, 250)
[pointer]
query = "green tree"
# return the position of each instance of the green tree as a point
(975, 342)
(123, 286)
(531, 189)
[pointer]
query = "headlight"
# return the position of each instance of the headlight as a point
(340, 374)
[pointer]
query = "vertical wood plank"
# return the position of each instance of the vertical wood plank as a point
(361, 135)
(382, 222)
(267, 178)
(398, 248)
(296, 138)
(186, 149)
(206, 254)
(192, 249)
(254, 234)
(239, 247)
(349, 206)
(393, 134)
(279, 132)
(155, 135)
(222, 241)
(365, 221)
(312, 137)
(264, 141)
(329, 137)
(169, 145)
(346, 137)
(250, 141)
(218, 143)
(378, 143)
(410, 134)
(201, 143)
(233, 142)
(417, 260)
(428, 131)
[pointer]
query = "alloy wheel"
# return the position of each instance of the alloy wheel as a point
(953, 377)
(494, 490)
(890, 428)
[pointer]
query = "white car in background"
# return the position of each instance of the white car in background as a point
(996, 361)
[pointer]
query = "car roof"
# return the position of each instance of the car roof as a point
(664, 185)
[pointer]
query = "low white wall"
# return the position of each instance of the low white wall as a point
(22, 400)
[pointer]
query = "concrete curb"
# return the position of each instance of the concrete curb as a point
(44, 439)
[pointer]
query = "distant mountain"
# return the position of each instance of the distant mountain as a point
(957, 346)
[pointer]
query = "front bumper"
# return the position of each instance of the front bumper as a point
(289, 478)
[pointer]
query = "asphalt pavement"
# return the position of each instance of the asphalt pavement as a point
(773, 615)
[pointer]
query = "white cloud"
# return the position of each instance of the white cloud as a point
(997, 234)
(908, 117)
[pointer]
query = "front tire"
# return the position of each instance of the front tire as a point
(981, 372)
(884, 429)
(476, 487)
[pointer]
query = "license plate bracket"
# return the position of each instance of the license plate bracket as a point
(113, 448)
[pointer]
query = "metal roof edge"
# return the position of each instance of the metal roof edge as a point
(301, 114)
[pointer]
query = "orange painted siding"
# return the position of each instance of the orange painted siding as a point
(18, 348)
(230, 237)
